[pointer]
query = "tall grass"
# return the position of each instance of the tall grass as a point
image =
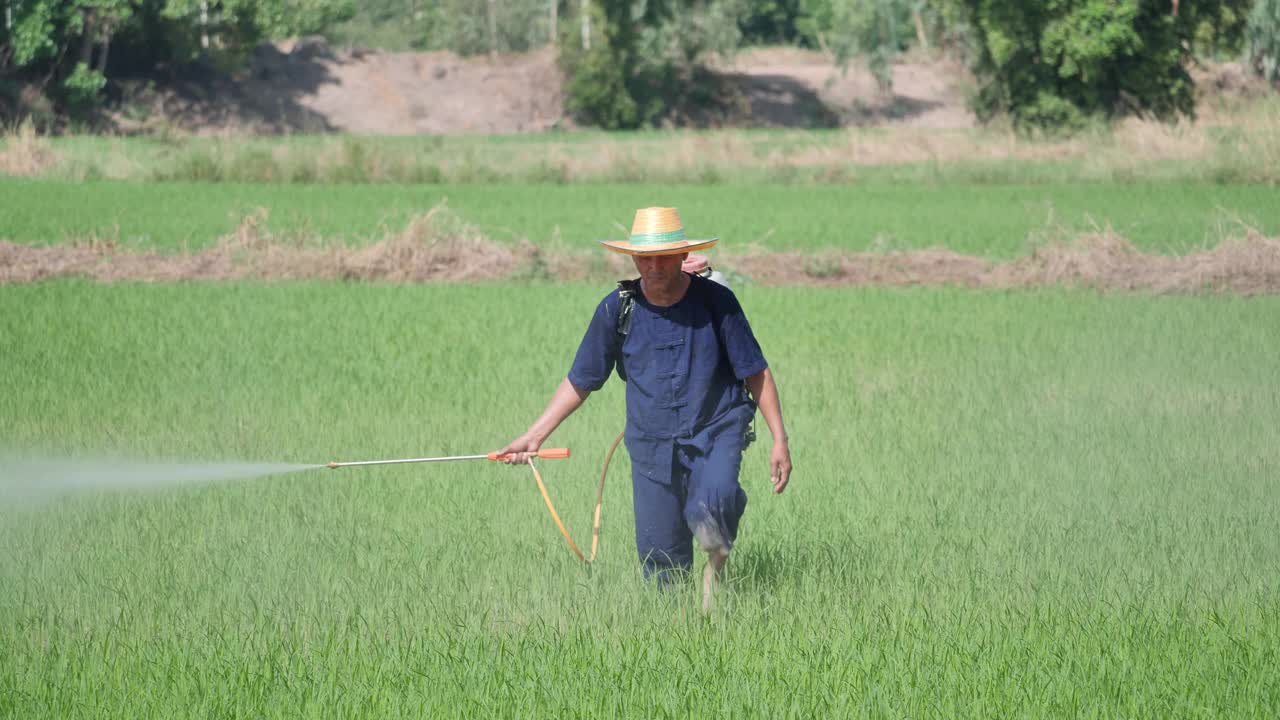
(1242, 146)
(24, 153)
(1005, 504)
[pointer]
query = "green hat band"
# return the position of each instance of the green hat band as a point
(661, 238)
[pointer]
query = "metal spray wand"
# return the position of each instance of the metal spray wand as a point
(548, 454)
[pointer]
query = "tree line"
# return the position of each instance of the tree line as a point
(1044, 64)
(69, 48)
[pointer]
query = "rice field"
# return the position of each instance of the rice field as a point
(995, 221)
(1032, 503)
(1005, 504)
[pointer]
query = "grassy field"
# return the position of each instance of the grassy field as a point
(989, 220)
(1005, 505)
(1233, 140)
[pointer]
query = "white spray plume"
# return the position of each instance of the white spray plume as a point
(26, 478)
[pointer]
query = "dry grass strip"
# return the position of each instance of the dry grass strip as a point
(437, 247)
(23, 153)
(1100, 260)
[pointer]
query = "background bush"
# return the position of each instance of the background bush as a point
(1264, 39)
(1052, 64)
(1059, 63)
(637, 61)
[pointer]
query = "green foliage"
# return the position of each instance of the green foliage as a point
(854, 27)
(775, 21)
(33, 32)
(462, 26)
(1220, 30)
(65, 42)
(1264, 39)
(639, 59)
(82, 86)
(1057, 64)
(813, 22)
(596, 90)
(876, 29)
(395, 25)
(234, 27)
(241, 22)
(68, 41)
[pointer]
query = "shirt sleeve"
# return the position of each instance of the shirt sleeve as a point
(745, 356)
(598, 352)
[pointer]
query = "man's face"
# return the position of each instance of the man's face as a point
(659, 269)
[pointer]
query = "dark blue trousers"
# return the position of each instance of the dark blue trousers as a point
(699, 499)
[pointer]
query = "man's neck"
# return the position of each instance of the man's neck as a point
(664, 296)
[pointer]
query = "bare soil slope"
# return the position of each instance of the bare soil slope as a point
(780, 82)
(437, 92)
(308, 86)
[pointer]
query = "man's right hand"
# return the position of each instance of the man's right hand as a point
(518, 451)
(564, 401)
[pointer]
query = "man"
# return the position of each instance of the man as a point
(688, 356)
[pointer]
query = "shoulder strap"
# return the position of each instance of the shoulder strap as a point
(627, 290)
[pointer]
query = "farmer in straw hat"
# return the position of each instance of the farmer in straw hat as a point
(689, 358)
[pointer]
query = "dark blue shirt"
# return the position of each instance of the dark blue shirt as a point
(683, 364)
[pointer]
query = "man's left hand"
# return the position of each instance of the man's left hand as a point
(780, 466)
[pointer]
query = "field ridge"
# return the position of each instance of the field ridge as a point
(438, 247)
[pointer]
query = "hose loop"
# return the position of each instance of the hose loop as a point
(595, 529)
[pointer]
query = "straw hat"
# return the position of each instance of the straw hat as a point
(657, 231)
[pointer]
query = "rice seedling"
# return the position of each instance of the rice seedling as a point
(1005, 504)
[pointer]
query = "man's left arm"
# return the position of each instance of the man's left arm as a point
(765, 392)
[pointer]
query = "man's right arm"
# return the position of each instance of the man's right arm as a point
(564, 401)
(592, 365)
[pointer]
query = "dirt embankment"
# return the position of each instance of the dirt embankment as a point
(437, 247)
(307, 86)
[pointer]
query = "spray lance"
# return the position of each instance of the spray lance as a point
(627, 291)
(549, 454)
(545, 454)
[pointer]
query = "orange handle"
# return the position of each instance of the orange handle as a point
(546, 453)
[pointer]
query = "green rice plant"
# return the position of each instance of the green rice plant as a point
(1019, 504)
(996, 221)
